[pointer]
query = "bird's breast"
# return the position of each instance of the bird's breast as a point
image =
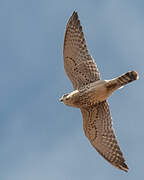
(89, 95)
(94, 93)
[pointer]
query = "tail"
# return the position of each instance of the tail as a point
(122, 80)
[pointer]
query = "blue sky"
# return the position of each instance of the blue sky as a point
(40, 138)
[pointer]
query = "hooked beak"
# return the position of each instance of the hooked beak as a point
(61, 99)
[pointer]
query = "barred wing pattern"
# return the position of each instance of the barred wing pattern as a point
(97, 124)
(78, 63)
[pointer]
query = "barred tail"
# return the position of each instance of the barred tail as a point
(122, 80)
(127, 78)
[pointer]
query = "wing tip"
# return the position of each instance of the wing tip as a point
(75, 14)
(123, 167)
(74, 19)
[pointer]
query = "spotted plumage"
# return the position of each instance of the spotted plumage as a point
(90, 93)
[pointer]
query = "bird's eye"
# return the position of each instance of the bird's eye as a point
(67, 98)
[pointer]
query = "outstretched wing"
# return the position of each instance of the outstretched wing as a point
(78, 63)
(97, 124)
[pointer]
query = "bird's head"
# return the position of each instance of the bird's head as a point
(70, 99)
(64, 98)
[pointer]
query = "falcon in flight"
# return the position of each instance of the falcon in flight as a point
(90, 93)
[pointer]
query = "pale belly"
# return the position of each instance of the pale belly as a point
(95, 93)
(89, 95)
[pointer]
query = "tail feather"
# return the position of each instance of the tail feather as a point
(127, 78)
(122, 80)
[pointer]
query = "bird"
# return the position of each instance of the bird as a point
(90, 93)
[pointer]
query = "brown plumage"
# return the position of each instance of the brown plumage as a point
(78, 63)
(91, 93)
